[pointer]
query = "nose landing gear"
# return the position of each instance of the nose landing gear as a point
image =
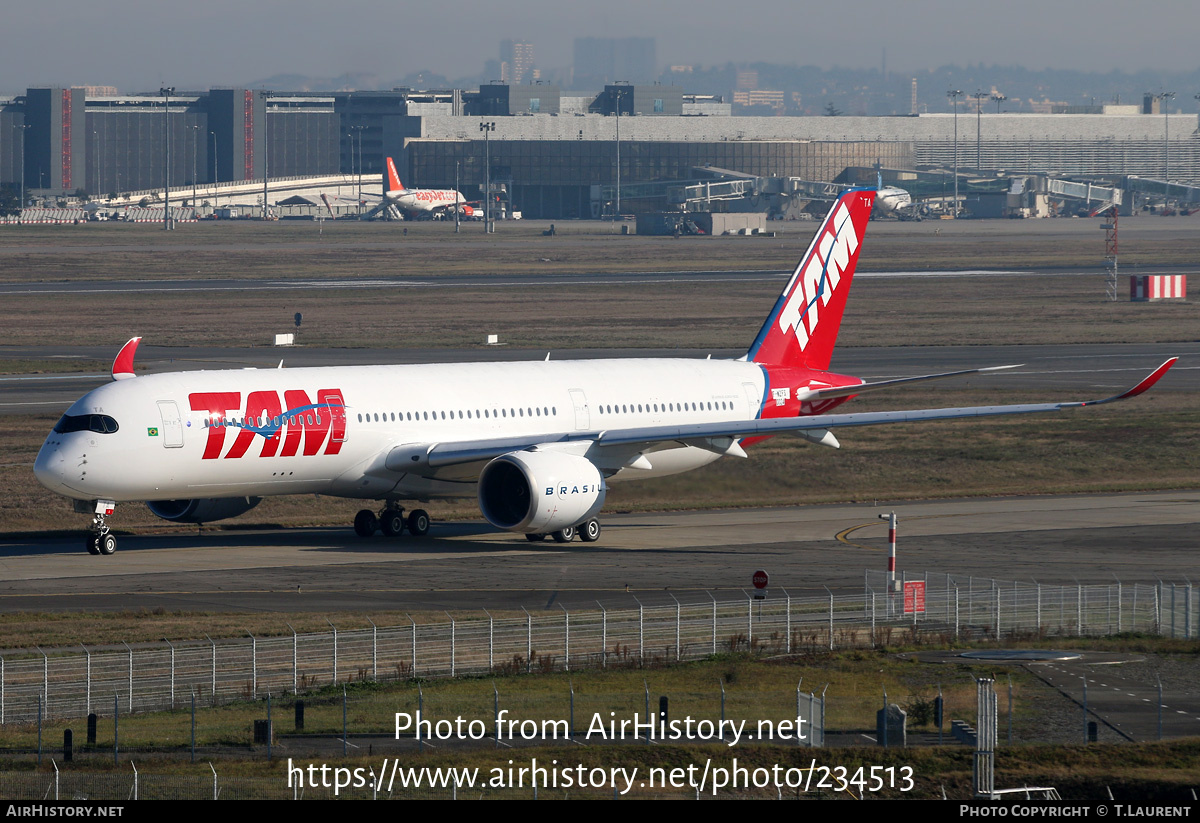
(102, 540)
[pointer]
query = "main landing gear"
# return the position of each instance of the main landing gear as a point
(588, 531)
(392, 522)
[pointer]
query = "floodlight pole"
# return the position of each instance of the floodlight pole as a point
(979, 97)
(266, 157)
(1163, 98)
(195, 130)
(23, 129)
(214, 175)
(618, 93)
(487, 129)
(166, 92)
(954, 95)
(359, 129)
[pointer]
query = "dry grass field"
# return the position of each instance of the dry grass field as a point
(934, 311)
(428, 249)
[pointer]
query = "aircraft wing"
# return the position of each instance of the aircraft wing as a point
(849, 391)
(445, 458)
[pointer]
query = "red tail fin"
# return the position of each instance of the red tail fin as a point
(803, 327)
(394, 183)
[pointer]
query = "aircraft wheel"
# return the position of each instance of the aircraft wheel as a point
(392, 523)
(93, 544)
(418, 522)
(589, 532)
(535, 538)
(107, 544)
(365, 523)
(564, 535)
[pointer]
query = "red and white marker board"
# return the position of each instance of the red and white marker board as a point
(1144, 287)
(914, 597)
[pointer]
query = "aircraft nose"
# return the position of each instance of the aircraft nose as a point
(51, 468)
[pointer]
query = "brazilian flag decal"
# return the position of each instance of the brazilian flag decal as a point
(152, 431)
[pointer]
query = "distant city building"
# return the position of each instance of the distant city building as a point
(769, 98)
(554, 152)
(603, 60)
(746, 79)
(1044, 106)
(639, 99)
(503, 99)
(516, 62)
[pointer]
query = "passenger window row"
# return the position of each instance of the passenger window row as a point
(485, 414)
(259, 422)
(639, 408)
(545, 411)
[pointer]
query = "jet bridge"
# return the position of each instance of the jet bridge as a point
(1180, 193)
(1104, 197)
(715, 189)
(771, 194)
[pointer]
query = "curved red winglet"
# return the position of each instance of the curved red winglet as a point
(122, 368)
(1147, 382)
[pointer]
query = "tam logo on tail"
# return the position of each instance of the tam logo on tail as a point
(803, 326)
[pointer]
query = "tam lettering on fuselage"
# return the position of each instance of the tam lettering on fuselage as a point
(819, 278)
(318, 424)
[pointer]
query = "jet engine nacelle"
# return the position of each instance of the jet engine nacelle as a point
(540, 491)
(204, 510)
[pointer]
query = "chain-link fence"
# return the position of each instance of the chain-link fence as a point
(979, 606)
(73, 683)
(127, 786)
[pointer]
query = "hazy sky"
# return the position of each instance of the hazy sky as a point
(139, 44)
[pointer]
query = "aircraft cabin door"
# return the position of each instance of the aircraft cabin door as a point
(754, 399)
(337, 413)
(583, 418)
(172, 426)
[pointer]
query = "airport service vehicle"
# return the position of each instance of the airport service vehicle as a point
(423, 202)
(537, 442)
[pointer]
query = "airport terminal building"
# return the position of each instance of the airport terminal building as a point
(553, 153)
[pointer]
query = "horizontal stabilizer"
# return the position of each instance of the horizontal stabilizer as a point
(849, 391)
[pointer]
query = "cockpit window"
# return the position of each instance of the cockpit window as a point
(99, 423)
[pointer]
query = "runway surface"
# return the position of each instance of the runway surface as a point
(1090, 371)
(1053, 540)
(494, 280)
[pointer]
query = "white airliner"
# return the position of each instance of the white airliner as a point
(425, 202)
(537, 442)
(892, 200)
